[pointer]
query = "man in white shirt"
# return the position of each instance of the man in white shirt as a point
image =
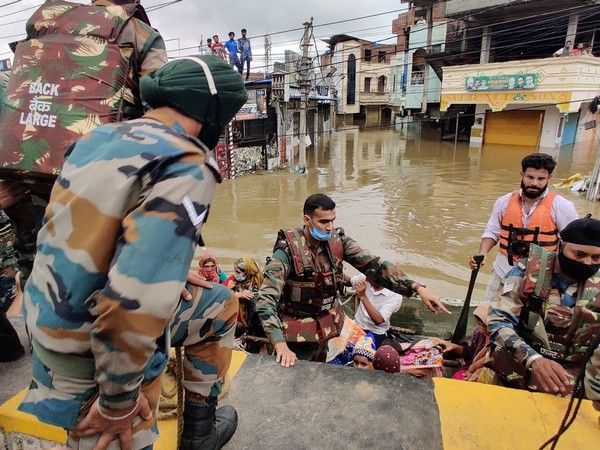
(564, 51)
(531, 214)
(377, 305)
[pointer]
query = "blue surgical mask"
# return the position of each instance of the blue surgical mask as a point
(319, 235)
(239, 276)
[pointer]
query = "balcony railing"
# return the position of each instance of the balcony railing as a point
(373, 98)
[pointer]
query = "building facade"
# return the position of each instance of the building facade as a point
(361, 79)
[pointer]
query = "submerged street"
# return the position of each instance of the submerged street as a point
(402, 193)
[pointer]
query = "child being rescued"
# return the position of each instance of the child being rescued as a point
(473, 352)
(363, 353)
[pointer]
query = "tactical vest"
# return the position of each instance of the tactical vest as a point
(555, 331)
(68, 77)
(310, 310)
(541, 230)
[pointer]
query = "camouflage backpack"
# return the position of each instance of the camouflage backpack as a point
(69, 76)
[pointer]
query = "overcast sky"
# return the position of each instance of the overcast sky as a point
(183, 23)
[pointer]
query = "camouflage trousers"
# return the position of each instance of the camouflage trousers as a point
(204, 326)
(26, 219)
(8, 266)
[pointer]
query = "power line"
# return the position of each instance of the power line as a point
(11, 3)
(500, 32)
(161, 5)
(368, 70)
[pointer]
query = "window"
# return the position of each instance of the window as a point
(561, 125)
(368, 54)
(351, 88)
(416, 78)
(381, 84)
(381, 56)
(418, 74)
(367, 84)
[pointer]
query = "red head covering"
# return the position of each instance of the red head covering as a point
(211, 274)
(387, 359)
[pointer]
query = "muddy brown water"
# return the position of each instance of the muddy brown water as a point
(401, 193)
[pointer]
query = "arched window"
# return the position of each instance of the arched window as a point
(381, 84)
(351, 93)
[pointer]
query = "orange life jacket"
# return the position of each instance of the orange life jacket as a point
(541, 229)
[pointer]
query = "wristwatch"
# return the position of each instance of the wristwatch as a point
(415, 286)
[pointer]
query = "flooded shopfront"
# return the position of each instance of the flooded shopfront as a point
(402, 193)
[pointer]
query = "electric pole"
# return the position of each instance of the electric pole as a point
(425, 99)
(304, 85)
(267, 53)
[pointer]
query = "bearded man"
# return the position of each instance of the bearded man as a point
(532, 214)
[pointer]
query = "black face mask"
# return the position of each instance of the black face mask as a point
(210, 134)
(576, 270)
(211, 128)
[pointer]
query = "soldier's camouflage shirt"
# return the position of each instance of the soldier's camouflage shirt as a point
(592, 377)
(278, 269)
(504, 313)
(113, 255)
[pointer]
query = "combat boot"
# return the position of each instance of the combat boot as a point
(205, 427)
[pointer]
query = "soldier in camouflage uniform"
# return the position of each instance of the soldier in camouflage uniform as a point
(542, 329)
(10, 345)
(592, 380)
(147, 52)
(103, 302)
(8, 260)
(298, 302)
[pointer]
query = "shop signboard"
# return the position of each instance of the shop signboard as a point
(501, 82)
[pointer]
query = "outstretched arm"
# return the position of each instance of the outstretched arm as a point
(269, 295)
(386, 274)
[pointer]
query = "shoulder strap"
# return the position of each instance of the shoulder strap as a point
(299, 250)
(538, 273)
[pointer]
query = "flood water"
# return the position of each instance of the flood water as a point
(402, 193)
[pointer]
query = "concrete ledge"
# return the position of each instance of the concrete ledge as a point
(322, 406)
(19, 441)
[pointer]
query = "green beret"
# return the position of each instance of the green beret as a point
(182, 84)
(584, 231)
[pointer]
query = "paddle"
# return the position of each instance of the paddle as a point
(461, 325)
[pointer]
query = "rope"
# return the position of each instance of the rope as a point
(180, 393)
(167, 408)
(578, 393)
(172, 395)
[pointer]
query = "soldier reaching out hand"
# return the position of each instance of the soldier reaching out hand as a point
(298, 302)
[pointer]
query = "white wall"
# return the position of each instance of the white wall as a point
(464, 6)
